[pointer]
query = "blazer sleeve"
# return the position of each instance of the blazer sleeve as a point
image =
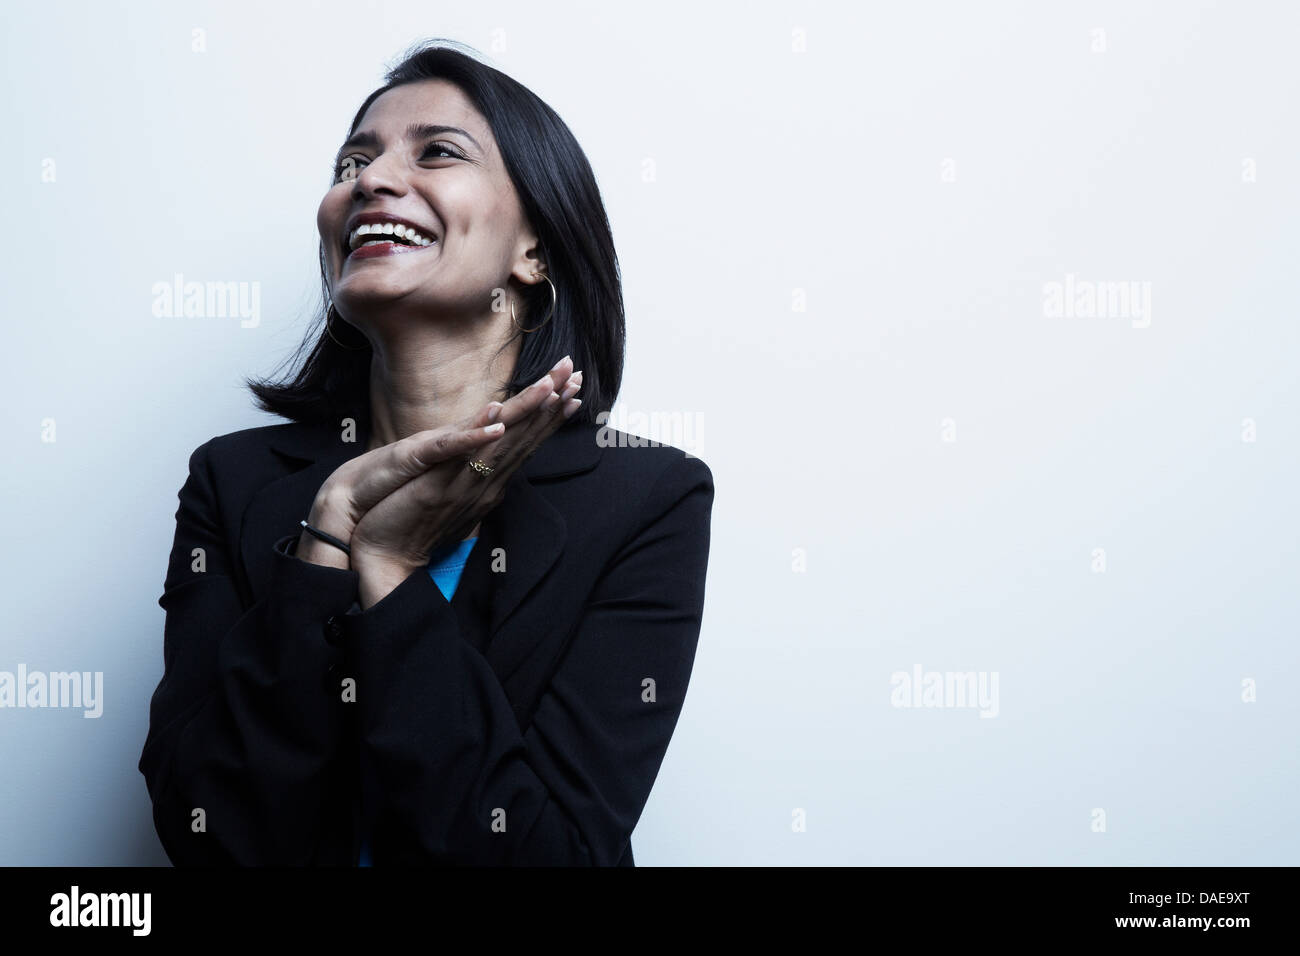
(460, 782)
(245, 723)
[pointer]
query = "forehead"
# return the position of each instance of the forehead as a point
(425, 101)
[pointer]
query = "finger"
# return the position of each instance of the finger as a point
(549, 417)
(571, 387)
(561, 371)
(527, 432)
(485, 416)
(524, 439)
(528, 399)
(533, 417)
(426, 449)
(414, 455)
(526, 436)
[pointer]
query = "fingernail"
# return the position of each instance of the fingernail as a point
(576, 376)
(556, 366)
(571, 390)
(496, 429)
(493, 411)
(572, 407)
(550, 400)
(543, 379)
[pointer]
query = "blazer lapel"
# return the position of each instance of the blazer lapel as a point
(528, 527)
(313, 452)
(532, 534)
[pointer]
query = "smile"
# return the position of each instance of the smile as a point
(379, 234)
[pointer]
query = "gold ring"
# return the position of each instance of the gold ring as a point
(482, 467)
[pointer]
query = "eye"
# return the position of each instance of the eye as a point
(348, 168)
(432, 149)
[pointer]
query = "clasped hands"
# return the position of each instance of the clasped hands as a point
(393, 506)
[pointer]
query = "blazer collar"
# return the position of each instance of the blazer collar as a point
(531, 530)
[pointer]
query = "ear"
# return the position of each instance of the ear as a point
(528, 259)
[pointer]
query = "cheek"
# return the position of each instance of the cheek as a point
(329, 216)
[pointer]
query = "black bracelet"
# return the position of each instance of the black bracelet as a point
(327, 538)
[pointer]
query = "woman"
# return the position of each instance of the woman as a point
(438, 617)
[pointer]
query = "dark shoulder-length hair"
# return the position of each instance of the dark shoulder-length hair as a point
(561, 200)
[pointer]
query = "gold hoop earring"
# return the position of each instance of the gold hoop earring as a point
(554, 296)
(329, 320)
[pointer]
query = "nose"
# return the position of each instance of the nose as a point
(379, 177)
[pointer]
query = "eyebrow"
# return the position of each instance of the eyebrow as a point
(414, 131)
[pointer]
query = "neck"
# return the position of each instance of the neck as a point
(424, 376)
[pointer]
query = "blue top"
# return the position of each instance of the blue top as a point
(445, 566)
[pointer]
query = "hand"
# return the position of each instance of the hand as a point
(446, 501)
(358, 484)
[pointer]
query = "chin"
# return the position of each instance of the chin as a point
(369, 298)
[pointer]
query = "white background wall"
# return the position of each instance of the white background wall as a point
(842, 247)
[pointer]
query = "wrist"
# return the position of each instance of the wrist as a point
(315, 551)
(380, 575)
(329, 516)
(368, 561)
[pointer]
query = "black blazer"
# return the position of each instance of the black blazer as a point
(523, 722)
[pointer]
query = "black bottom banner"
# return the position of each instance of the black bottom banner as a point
(1150, 905)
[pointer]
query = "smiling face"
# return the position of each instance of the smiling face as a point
(422, 219)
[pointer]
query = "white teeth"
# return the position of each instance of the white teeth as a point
(397, 230)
